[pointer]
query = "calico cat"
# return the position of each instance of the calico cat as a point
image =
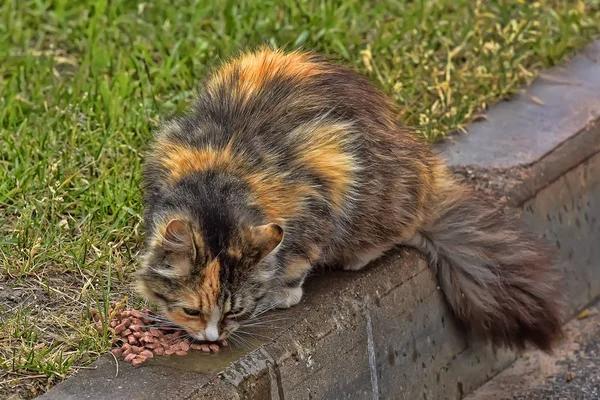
(288, 161)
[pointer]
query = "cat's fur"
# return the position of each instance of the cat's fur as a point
(287, 161)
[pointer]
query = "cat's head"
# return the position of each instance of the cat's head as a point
(205, 289)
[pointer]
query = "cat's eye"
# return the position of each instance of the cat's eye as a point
(227, 306)
(193, 313)
(233, 313)
(160, 296)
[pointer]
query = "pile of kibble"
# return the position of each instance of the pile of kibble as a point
(136, 339)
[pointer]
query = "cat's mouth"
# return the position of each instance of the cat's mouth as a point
(226, 328)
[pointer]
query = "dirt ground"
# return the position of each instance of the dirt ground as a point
(39, 324)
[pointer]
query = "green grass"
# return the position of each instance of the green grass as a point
(82, 84)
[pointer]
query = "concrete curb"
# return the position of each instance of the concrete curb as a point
(386, 332)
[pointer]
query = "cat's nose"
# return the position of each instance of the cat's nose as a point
(211, 333)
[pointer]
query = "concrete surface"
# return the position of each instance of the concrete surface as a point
(572, 372)
(386, 333)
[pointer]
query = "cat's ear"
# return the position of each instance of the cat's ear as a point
(178, 237)
(265, 238)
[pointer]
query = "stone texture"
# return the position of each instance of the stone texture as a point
(151, 381)
(568, 213)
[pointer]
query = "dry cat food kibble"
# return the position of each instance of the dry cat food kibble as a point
(136, 339)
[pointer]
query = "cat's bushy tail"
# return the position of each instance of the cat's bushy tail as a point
(498, 279)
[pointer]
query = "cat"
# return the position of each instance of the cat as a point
(287, 161)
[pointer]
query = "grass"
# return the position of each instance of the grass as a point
(82, 84)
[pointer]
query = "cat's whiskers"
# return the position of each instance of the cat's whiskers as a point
(233, 341)
(239, 339)
(266, 324)
(265, 321)
(268, 308)
(262, 317)
(155, 317)
(254, 335)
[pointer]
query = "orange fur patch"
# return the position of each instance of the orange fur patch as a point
(444, 184)
(426, 177)
(279, 199)
(234, 253)
(314, 253)
(321, 151)
(433, 182)
(211, 286)
(182, 161)
(259, 67)
(204, 299)
(194, 324)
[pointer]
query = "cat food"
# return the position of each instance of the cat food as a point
(136, 338)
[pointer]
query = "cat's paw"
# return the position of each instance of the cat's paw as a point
(287, 297)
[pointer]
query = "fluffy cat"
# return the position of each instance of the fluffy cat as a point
(287, 161)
